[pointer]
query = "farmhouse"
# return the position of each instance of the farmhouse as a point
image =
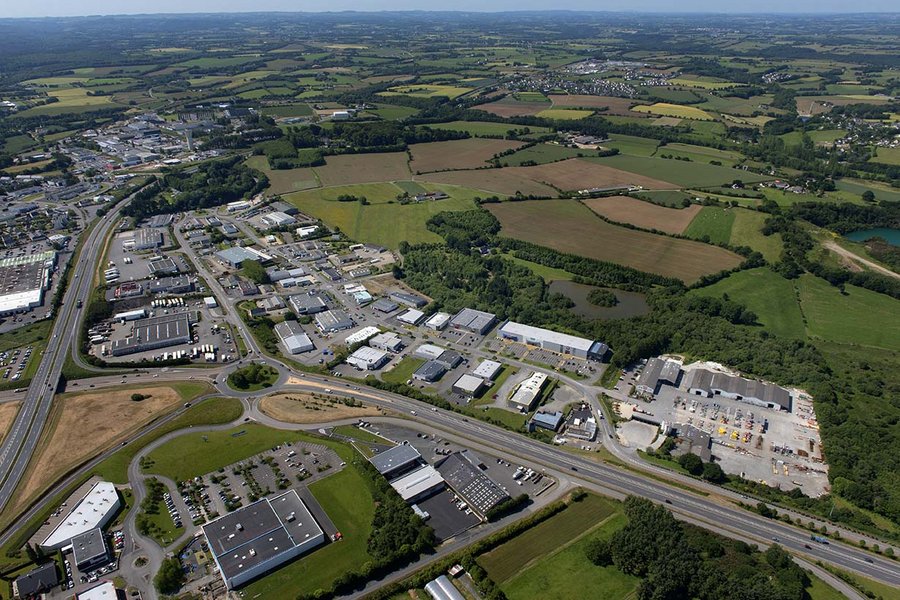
(261, 536)
(561, 343)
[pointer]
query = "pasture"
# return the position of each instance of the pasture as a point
(712, 224)
(610, 105)
(747, 231)
(420, 90)
(664, 109)
(363, 168)
(887, 156)
(683, 174)
(564, 114)
(569, 226)
(483, 128)
(470, 153)
(629, 144)
(646, 215)
(283, 181)
(543, 153)
(706, 83)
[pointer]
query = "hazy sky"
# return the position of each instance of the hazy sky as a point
(42, 8)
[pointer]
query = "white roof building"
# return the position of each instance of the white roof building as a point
(368, 359)
(418, 484)
(428, 351)
(412, 316)
(554, 341)
(362, 335)
(104, 591)
(437, 321)
(488, 369)
(93, 511)
(210, 302)
(528, 391)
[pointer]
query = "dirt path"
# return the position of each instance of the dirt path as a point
(844, 253)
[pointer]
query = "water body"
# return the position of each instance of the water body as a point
(631, 304)
(892, 236)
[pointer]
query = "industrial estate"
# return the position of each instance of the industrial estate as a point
(419, 305)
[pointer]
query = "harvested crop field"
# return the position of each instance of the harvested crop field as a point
(494, 181)
(577, 174)
(569, 226)
(647, 215)
(613, 105)
(83, 424)
(470, 153)
(307, 408)
(363, 168)
(508, 107)
(666, 109)
(8, 412)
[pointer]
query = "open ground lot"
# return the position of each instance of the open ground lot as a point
(363, 168)
(83, 424)
(306, 408)
(624, 209)
(569, 226)
(8, 412)
(471, 153)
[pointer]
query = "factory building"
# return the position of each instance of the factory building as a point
(368, 359)
(561, 343)
(292, 336)
(487, 369)
(411, 316)
(23, 280)
(261, 536)
(143, 239)
(308, 304)
(154, 333)
(419, 484)
(396, 461)
(468, 385)
(385, 306)
(430, 372)
(94, 510)
(332, 321)
(278, 219)
(235, 257)
(180, 284)
(473, 321)
(658, 372)
(389, 341)
(364, 334)
(528, 392)
(437, 321)
(708, 383)
(410, 300)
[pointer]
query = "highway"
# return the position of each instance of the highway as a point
(26, 430)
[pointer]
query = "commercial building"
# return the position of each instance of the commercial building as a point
(180, 284)
(293, 337)
(437, 321)
(428, 351)
(487, 369)
(261, 536)
(368, 359)
(527, 392)
(163, 266)
(411, 316)
(364, 334)
(278, 219)
(130, 289)
(430, 372)
(23, 280)
(419, 484)
(210, 302)
(90, 550)
(103, 591)
(442, 589)
(235, 257)
(450, 359)
(94, 510)
(468, 385)
(144, 239)
(388, 341)
(362, 298)
(708, 383)
(271, 304)
(464, 474)
(410, 300)
(331, 321)
(545, 420)
(396, 461)
(581, 424)
(36, 582)
(130, 315)
(473, 321)
(308, 304)
(694, 441)
(657, 372)
(561, 343)
(154, 333)
(385, 306)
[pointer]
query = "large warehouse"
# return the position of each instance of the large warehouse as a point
(154, 333)
(295, 340)
(473, 321)
(553, 341)
(331, 321)
(463, 473)
(94, 510)
(708, 383)
(23, 280)
(658, 371)
(261, 536)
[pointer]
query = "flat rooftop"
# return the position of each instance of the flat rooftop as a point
(470, 482)
(418, 482)
(538, 334)
(91, 512)
(395, 458)
(88, 546)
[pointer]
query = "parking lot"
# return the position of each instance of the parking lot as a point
(14, 362)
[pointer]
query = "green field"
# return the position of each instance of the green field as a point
(213, 450)
(857, 187)
(887, 156)
(629, 144)
(747, 231)
(477, 128)
(283, 181)
(548, 274)
(419, 90)
(384, 221)
(564, 114)
(706, 83)
(685, 174)
(665, 109)
(391, 112)
(818, 136)
(403, 370)
(288, 110)
(712, 224)
(543, 153)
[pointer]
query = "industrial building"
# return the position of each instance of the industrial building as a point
(468, 385)
(331, 321)
(527, 392)
(419, 484)
(163, 266)
(473, 321)
(103, 591)
(295, 340)
(385, 306)
(487, 369)
(708, 383)
(657, 372)
(90, 550)
(23, 280)
(464, 474)
(561, 343)
(364, 334)
(396, 461)
(442, 589)
(261, 536)
(430, 372)
(581, 424)
(411, 316)
(410, 300)
(235, 257)
(368, 359)
(36, 582)
(545, 420)
(428, 351)
(94, 510)
(388, 341)
(154, 333)
(180, 284)
(308, 304)
(438, 321)
(144, 239)
(278, 219)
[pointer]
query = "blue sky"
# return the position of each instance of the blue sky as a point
(17, 8)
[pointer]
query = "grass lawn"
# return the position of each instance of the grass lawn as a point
(505, 372)
(747, 231)
(213, 450)
(30, 334)
(403, 371)
(506, 560)
(477, 128)
(362, 435)
(887, 156)
(684, 174)
(629, 144)
(547, 273)
(511, 419)
(858, 316)
(348, 502)
(819, 590)
(767, 294)
(857, 187)
(712, 224)
(162, 527)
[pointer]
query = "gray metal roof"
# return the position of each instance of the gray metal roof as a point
(395, 458)
(88, 546)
